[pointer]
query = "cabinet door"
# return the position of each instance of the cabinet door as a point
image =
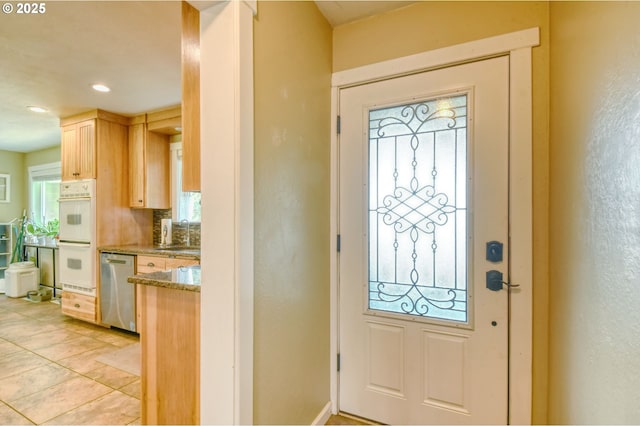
(157, 171)
(86, 142)
(78, 150)
(149, 170)
(170, 345)
(190, 98)
(68, 152)
(136, 164)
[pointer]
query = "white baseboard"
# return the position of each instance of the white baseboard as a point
(324, 415)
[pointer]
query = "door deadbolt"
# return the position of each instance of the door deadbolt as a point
(494, 251)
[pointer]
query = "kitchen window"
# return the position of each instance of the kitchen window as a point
(44, 191)
(186, 205)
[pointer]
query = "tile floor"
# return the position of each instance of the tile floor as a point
(49, 373)
(347, 419)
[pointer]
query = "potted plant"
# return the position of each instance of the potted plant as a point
(52, 228)
(43, 234)
(36, 233)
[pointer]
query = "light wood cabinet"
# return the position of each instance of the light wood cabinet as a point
(108, 157)
(174, 263)
(147, 264)
(95, 145)
(149, 182)
(78, 150)
(170, 345)
(167, 121)
(190, 98)
(79, 306)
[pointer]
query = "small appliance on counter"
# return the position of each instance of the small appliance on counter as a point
(165, 233)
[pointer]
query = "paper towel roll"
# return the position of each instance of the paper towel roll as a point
(165, 232)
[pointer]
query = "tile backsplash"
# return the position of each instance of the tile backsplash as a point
(178, 231)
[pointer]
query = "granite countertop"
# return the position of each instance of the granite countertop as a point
(172, 251)
(185, 278)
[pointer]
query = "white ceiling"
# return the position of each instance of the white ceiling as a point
(342, 12)
(52, 59)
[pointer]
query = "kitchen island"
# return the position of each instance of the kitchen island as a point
(187, 279)
(169, 317)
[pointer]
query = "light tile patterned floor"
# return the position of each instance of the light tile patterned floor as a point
(348, 419)
(49, 373)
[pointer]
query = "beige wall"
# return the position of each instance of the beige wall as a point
(43, 156)
(292, 53)
(17, 165)
(430, 25)
(12, 163)
(595, 213)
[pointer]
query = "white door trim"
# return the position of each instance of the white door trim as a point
(518, 46)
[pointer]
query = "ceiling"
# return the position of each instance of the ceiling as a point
(52, 60)
(342, 12)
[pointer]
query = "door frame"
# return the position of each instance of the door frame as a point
(517, 45)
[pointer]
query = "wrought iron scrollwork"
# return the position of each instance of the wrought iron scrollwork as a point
(416, 208)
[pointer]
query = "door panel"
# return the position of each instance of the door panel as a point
(423, 186)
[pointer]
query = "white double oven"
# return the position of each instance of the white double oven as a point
(77, 246)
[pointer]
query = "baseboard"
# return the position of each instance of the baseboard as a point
(324, 415)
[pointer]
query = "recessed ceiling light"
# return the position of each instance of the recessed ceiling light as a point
(37, 108)
(101, 88)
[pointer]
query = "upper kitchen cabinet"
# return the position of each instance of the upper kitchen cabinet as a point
(166, 121)
(80, 135)
(190, 98)
(78, 150)
(95, 145)
(149, 162)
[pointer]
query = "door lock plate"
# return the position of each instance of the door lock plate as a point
(494, 280)
(494, 251)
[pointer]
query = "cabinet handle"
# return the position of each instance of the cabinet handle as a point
(77, 305)
(139, 201)
(151, 264)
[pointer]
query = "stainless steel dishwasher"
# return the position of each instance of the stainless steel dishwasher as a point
(117, 296)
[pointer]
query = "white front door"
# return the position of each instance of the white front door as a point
(423, 187)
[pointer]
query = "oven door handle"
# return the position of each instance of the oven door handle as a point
(65, 200)
(68, 244)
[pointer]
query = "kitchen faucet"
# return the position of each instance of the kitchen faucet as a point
(182, 222)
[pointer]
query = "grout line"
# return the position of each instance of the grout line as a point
(50, 361)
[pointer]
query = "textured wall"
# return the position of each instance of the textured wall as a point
(292, 45)
(12, 163)
(430, 25)
(595, 213)
(43, 156)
